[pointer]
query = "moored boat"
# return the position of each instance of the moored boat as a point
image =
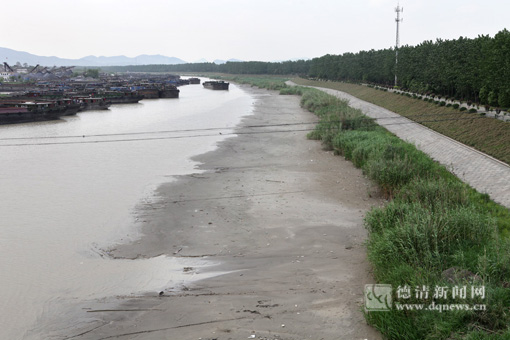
(93, 103)
(116, 97)
(28, 111)
(216, 85)
(72, 107)
(149, 93)
(169, 91)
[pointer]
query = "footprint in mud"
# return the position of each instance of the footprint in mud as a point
(188, 270)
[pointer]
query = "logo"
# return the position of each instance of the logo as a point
(378, 297)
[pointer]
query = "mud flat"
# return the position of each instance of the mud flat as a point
(284, 220)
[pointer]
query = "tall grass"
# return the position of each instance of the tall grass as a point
(433, 222)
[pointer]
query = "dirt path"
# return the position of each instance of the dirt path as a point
(284, 219)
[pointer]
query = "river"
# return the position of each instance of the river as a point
(69, 189)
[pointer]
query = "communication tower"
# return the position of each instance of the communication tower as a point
(398, 10)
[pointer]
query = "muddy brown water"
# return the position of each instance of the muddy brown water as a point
(68, 192)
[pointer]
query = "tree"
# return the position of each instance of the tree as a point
(92, 73)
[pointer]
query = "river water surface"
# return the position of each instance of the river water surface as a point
(68, 189)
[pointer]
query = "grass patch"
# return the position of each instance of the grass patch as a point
(491, 136)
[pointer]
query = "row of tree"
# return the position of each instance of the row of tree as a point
(299, 67)
(470, 69)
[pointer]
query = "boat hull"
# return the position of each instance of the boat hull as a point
(169, 93)
(125, 100)
(22, 115)
(216, 85)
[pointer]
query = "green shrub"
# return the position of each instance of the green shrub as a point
(438, 193)
(335, 114)
(473, 110)
(292, 90)
(455, 105)
(431, 240)
(396, 166)
(463, 108)
(345, 143)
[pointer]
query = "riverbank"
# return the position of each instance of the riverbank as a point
(488, 135)
(436, 232)
(285, 220)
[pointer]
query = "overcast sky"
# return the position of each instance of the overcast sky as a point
(266, 30)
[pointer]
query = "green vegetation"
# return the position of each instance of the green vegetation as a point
(93, 73)
(433, 222)
(491, 136)
(299, 67)
(270, 83)
(470, 69)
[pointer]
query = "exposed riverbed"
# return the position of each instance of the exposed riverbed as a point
(281, 217)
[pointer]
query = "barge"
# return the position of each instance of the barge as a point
(117, 97)
(216, 85)
(24, 111)
(93, 103)
(169, 91)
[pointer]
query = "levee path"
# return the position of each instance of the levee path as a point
(481, 171)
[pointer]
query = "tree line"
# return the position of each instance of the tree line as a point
(299, 67)
(468, 69)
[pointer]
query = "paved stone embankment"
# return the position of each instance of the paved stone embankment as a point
(483, 172)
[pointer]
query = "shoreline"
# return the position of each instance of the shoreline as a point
(284, 219)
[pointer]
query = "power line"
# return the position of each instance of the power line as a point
(150, 139)
(156, 132)
(217, 128)
(241, 133)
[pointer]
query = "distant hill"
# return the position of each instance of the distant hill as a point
(12, 56)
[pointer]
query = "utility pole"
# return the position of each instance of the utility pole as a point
(399, 10)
